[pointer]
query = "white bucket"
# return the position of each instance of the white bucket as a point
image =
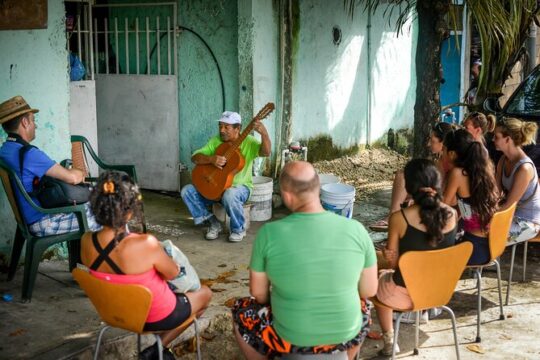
(261, 198)
(328, 179)
(338, 198)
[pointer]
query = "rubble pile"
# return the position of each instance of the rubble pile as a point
(368, 171)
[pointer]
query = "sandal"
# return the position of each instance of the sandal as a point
(379, 226)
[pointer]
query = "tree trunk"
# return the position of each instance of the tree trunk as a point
(433, 29)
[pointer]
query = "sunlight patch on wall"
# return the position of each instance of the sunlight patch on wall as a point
(340, 80)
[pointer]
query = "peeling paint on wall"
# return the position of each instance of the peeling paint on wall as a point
(34, 64)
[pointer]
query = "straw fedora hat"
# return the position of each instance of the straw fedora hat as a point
(14, 107)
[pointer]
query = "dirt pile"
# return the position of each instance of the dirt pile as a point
(368, 171)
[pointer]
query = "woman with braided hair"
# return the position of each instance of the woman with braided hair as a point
(428, 224)
(114, 254)
(471, 186)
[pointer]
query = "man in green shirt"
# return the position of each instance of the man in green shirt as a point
(234, 197)
(307, 274)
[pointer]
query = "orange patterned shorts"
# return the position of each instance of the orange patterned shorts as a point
(254, 323)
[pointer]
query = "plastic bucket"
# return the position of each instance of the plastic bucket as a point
(338, 198)
(329, 179)
(261, 198)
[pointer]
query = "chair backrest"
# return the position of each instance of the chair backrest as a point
(499, 227)
(431, 276)
(8, 176)
(78, 157)
(119, 305)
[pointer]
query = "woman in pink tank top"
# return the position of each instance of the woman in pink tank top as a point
(114, 254)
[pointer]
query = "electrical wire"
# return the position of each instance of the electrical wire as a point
(209, 50)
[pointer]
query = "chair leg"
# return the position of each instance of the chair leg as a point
(478, 304)
(34, 253)
(197, 339)
(101, 332)
(501, 311)
(159, 346)
(416, 333)
(453, 317)
(74, 252)
(18, 243)
(525, 246)
(396, 333)
(511, 273)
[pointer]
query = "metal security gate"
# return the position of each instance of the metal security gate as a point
(134, 62)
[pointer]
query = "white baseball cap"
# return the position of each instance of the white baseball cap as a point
(230, 117)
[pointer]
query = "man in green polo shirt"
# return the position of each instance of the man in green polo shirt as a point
(307, 274)
(234, 197)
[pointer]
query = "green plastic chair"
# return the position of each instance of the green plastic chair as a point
(78, 143)
(80, 146)
(36, 246)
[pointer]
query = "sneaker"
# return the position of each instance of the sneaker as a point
(213, 231)
(237, 237)
(433, 313)
(388, 339)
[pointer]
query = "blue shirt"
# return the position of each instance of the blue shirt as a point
(36, 164)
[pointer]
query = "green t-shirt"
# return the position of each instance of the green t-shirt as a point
(249, 150)
(314, 262)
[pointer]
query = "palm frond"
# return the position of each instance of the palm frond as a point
(503, 27)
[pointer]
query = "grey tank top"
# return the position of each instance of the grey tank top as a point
(528, 207)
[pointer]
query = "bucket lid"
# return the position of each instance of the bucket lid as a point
(329, 179)
(262, 179)
(338, 189)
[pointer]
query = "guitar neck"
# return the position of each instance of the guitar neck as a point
(263, 113)
(236, 144)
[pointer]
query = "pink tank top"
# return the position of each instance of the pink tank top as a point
(163, 299)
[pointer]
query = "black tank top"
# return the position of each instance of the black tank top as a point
(417, 240)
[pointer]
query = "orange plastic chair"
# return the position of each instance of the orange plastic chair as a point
(430, 278)
(124, 306)
(499, 228)
(510, 275)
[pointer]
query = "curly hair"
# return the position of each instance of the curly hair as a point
(423, 183)
(473, 159)
(115, 200)
(521, 132)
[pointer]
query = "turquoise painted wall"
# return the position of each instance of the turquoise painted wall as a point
(199, 90)
(330, 81)
(34, 64)
(258, 48)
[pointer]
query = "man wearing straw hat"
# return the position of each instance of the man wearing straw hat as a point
(307, 274)
(18, 121)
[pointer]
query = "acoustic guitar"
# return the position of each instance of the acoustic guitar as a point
(212, 181)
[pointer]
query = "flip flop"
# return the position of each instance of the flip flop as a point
(379, 226)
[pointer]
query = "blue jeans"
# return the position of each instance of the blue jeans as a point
(233, 200)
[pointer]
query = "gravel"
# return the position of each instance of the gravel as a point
(369, 171)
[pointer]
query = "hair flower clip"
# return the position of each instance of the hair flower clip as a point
(108, 188)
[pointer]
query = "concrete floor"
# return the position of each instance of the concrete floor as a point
(60, 322)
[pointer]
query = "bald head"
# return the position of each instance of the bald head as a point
(299, 177)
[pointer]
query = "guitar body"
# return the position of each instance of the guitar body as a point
(211, 181)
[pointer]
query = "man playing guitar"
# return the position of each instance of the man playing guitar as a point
(234, 197)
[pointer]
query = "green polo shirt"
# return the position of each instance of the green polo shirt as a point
(314, 262)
